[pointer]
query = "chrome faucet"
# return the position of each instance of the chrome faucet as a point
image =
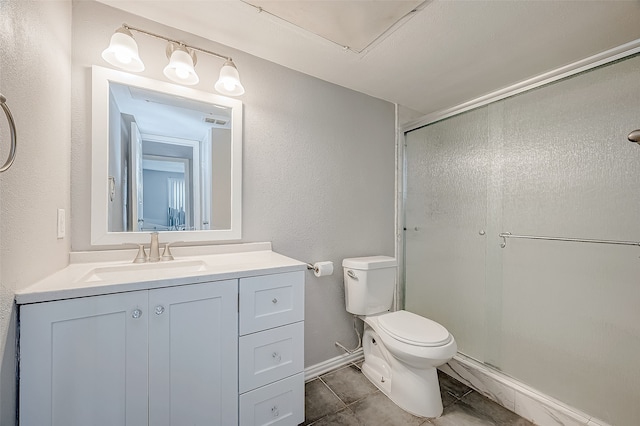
(154, 249)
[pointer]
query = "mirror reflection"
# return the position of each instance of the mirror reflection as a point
(169, 162)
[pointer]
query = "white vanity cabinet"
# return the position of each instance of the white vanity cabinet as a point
(166, 356)
(207, 340)
(271, 350)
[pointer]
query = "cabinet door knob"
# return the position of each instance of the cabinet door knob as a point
(137, 313)
(159, 310)
(276, 356)
(274, 411)
(274, 301)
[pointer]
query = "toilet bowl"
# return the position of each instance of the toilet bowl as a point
(401, 349)
(404, 369)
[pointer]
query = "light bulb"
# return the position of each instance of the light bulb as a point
(123, 57)
(182, 73)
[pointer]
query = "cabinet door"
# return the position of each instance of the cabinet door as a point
(84, 361)
(193, 355)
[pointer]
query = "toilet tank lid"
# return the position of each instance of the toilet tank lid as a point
(369, 262)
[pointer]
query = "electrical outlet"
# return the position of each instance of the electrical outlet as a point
(61, 223)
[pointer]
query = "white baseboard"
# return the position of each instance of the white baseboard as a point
(314, 371)
(516, 396)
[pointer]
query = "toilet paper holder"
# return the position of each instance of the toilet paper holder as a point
(321, 269)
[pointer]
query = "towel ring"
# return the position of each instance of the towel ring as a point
(12, 126)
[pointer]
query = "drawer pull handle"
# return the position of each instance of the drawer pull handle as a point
(277, 357)
(159, 310)
(274, 411)
(137, 313)
(274, 301)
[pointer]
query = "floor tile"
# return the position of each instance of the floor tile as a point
(319, 401)
(378, 410)
(452, 386)
(460, 414)
(447, 398)
(349, 384)
(344, 417)
(499, 414)
(346, 397)
(476, 410)
(450, 389)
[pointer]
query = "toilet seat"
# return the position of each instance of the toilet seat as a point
(413, 329)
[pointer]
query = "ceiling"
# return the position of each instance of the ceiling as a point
(441, 55)
(167, 115)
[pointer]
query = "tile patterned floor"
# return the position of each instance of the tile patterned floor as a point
(346, 398)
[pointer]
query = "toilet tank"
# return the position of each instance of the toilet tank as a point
(369, 284)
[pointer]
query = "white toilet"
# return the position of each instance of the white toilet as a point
(401, 349)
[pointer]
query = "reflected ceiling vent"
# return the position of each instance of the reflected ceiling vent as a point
(215, 121)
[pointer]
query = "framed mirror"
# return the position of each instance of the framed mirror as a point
(165, 158)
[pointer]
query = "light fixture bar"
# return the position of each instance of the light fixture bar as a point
(123, 53)
(217, 55)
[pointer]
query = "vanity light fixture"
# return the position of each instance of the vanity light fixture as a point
(229, 81)
(123, 53)
(182, 61)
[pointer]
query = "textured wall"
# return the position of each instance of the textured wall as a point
(555, 161)
(318, 162)
(35, 47)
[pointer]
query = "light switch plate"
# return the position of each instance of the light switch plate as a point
(61, 223)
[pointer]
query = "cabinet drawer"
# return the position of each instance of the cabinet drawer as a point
(270, 355)
(280, 403)
(269, 301)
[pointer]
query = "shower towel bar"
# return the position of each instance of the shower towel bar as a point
(505, 235)
(12, 128)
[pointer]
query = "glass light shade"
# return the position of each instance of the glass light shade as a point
(180, 68)
(229, 81)
(123, 52)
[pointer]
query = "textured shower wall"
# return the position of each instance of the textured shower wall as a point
(559, 316)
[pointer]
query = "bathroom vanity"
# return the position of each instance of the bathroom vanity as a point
(215, 337)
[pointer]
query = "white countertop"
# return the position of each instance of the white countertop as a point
(87, 276)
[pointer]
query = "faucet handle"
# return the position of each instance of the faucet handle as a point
(166, 254)
(142, 255)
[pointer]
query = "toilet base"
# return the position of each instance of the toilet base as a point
(416, 391)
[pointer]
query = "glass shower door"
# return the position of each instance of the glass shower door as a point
(561, 317)
(445, 219)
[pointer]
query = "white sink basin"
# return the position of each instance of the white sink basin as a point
(132, 272)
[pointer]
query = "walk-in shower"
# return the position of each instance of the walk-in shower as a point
(554, 313)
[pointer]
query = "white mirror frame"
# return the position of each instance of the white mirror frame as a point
(100, 234)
